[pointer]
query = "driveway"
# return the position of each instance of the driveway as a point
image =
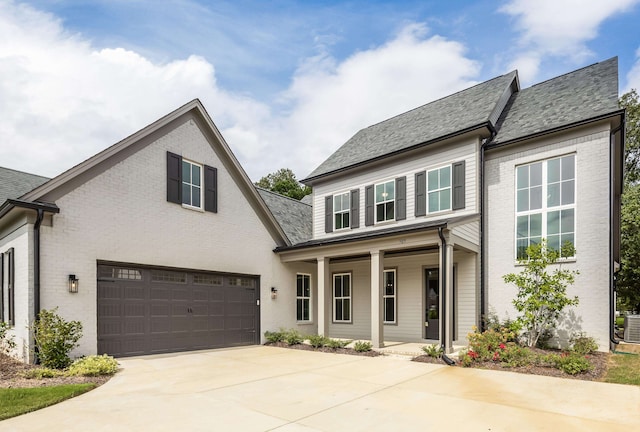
(263, 388)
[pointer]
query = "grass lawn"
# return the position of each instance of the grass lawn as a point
(16, 401)
(620, 321)
(623, 369)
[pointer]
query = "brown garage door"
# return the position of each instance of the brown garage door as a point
(154, 310)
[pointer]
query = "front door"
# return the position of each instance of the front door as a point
(432, 304)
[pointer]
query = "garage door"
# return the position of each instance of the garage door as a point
(154, 310)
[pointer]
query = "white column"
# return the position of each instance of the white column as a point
(324, 284)
(377, 322)
(449, 300)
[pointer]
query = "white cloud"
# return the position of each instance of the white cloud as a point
(63, 100)
(558, 28)
(633, 76)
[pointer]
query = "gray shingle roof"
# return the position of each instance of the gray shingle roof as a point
(579, 95)
(466, 109)
(294, 217)
(14, 184)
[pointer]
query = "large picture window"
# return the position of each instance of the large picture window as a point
(439, 189)
(389, 296)
(303, 297)
(191, 184)
(545, 203)
(385, 201)
(341, 207)
(342, 297)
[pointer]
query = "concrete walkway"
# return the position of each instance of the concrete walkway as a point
(264, 388)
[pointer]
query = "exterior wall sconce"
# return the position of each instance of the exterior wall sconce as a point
(73, 284)
(274, 292)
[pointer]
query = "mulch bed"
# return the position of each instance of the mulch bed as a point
(306, 347)
(11, 371)
(599, 361)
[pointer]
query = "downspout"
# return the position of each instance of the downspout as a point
(612, 271)
(483, 305)
(443, 294)
(36, 271)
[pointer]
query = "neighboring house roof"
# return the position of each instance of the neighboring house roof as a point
(14, 184)
(307, 199)
(295, 217)
(580, 95)
(466, 110)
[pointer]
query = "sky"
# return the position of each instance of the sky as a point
(286, 82)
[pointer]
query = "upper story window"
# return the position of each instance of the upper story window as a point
(439, 189)
(341, 210)
(545, 203)
(191, 184)
(385, 201)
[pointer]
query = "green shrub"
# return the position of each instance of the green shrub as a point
(487, 343)
(317, 341)
(571, 363)
(513, 355)
(433, 350)
(274, 337)
(465, 359)
(94, 365)
(336, 343)
(41, 372)
(362, 346)
(55, 338)
(293, 337)
(583, 345)
(7, 343)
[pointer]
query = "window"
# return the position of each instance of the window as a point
(191, 184)
(341, 206)
(342, 297)
(168, 276)
(303, 297)
(385, 201)
(389, 296)
(205, 279)
(439, 189)
(545, 203)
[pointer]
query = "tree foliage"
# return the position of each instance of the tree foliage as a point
(628, 279)
(285, 183)
(542, 294)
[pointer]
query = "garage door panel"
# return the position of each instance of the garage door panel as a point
(147, 311)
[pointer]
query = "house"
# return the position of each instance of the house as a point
(161, 243)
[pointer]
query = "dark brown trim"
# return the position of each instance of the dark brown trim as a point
(10, 204)
(1, 287)
(184, 269)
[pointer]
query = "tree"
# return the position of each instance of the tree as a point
(285, 183)
(628, 279)
(542, 294)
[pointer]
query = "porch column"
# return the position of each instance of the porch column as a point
(324, 281)
(449, 300)
(377, 327)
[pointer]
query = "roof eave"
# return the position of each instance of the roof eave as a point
(10, 204)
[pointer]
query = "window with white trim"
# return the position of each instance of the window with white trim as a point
(342, 297)
(303, 297)
(385, 201)
(389, 296)
(545, 203)
(439, 189)
(341, 208)
(191, 184)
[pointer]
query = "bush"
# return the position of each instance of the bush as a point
(583, 345)
(41, 372)
(362, 346)
(7, 343)
(571, 363)
(336, 343)
(293, 337)
(55, 338)
(94, 365)
(486, 344)
(513, 355)
(274, 337)
(465, 358)
(317, 341)
(433, 350)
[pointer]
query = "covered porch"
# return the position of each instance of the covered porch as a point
(416, 284)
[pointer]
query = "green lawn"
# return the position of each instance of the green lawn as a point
(16, 401)
(624, 369)
(620, 321)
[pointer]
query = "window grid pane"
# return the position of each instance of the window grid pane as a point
(389, 296)
(191, 184)
(303, 297)
(385, 201)
(342, 297)
(439, 187)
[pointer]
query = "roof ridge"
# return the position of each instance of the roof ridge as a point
(24, 172)
(282, 196)
(571, 72)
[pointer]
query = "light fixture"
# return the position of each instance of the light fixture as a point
(73, 284)
(274, 292)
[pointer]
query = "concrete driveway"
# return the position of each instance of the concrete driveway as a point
(263, 388)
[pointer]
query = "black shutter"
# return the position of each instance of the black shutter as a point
(11, 286)
(401, 198)
(458, 186)
(1, 287)
(210, 189)
(355, 208)
(421, 193)
(369, 205)
(174, 178)
(328, 214)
